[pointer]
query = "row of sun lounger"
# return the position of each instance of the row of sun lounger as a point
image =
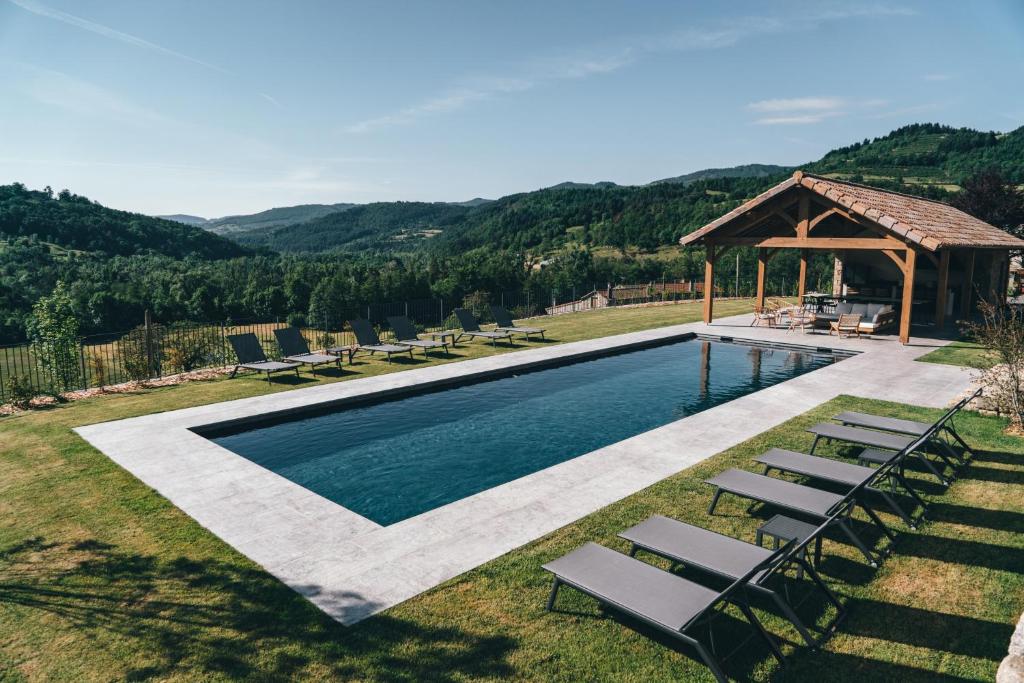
(295, 350)
(677, 605)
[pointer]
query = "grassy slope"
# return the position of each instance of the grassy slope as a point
(101, 578)
(963, 353)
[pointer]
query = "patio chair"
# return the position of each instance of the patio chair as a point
(251, 357)
(295, 349)
(405, 333)
(367, 340)
(848, 324)
(506, 324)
(823, 506)
(765, 314)
(668, 603)
(914, 428)
(471, 328)
(729, 558)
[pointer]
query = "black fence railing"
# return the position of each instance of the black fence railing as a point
(154, 350)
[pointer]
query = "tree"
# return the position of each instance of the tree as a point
(1001, 330)
(53, 330)
(989, 196)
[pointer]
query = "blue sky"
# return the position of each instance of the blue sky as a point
(234, 107)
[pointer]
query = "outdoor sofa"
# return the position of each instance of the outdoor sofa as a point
(875, 317)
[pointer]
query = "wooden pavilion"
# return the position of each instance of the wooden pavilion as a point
(915, 253)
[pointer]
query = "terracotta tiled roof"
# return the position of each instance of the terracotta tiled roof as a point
(931, 224)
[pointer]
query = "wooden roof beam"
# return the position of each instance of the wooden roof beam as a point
(812, 242)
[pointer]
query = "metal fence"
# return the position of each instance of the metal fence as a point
(153, 349)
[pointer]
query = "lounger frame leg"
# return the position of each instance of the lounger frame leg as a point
(554, 594)
(844, 525)
(714, 501)
(759, 628)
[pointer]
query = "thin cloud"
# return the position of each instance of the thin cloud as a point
(107, 32)
(542, 72)
(271, 99)
(797, 104)
(797, 119)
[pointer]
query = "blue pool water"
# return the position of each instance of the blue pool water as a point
(395, 459)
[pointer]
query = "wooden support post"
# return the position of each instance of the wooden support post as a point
(967, 287)
(802, 286)
(762, 264)
(908, 296)
(941, 290)
(709, 283)
(803, 226)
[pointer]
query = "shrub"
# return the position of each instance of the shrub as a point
(187, 348)
(20, 391)
(53, 329)
(139, 360)
(1001, 329)
(477, 302)
(297, 320)
(98, 369)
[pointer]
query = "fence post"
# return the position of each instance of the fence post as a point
(147, 321)
(81, 362)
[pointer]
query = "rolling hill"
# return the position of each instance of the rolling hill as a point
(75, 223)
(745, 171)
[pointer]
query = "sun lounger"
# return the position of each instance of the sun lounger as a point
(295, 349)
(838, 472)
(803, 500)
(885, 441)
(730, 558)
(367, 340)
(664, 601)
(505, 323)
(914, 428)
(471, 328)
(405, 333)
(251, 357)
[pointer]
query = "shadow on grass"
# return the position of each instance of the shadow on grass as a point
(993, 474)
(739, 650)
(825, 665)
(998, 520)
(220, 619)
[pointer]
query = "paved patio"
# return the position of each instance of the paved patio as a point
(351, 567)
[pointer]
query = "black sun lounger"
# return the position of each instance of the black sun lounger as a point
(405, 333)
(664, 601)
(367, 340)
(506, 324)
(803, 500)
(838, 472)
(885, 441)
(914, 428)
(729, 558)
(471, 328)
(251, 357)
(295, 349)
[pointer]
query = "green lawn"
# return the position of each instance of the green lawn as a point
(964, 353)
(102, 579)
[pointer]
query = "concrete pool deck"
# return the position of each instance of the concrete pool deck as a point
(351, 567)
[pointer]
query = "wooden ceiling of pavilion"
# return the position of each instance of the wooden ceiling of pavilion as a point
(811, 212)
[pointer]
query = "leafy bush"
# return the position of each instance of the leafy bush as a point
(19, 391)
(140, 355)
(187, 348)
(478, 302)
(297, 320)
(1001, 329)
(53, 329)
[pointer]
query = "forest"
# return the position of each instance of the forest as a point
(117, 264)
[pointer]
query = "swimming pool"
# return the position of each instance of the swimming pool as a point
(398, 458)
